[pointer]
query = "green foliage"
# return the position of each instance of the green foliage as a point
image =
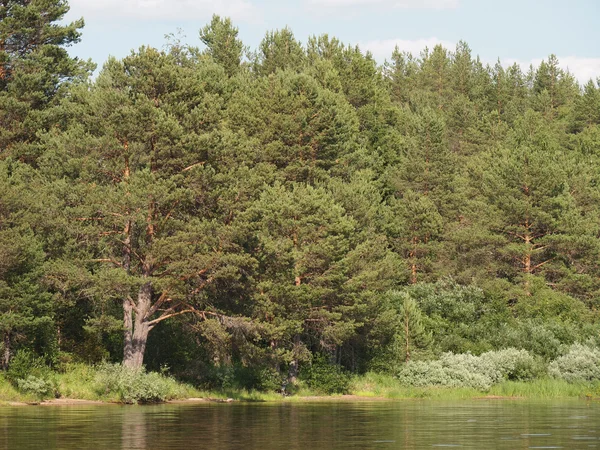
(467, 370)
(324, 377)
(133, 385)
(41, 388)
(220, 38)
(579, 363)
(251, 214)
(31, 375)
(26, 363)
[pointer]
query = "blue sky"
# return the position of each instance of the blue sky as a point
(524, 31)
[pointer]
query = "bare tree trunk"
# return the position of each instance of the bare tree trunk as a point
(127, 330)
(127, 304)
(141, 328)
(6, 355)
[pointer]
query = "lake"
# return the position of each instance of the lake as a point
(478, 424)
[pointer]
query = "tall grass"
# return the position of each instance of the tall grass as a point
(8, 393)
(386, 386)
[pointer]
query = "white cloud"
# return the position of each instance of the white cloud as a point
(382, 49)
(581, 68)
(163, 9)
(351, 9)
(406, 4)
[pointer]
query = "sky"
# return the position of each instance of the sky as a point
(522, 31)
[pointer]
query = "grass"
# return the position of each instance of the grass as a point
(84, 382)
(80, 381)
(8, 393)
(546, 388)
(379, 385)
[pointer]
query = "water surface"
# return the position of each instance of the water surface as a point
(483, 424)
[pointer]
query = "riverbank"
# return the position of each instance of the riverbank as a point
(80, 385)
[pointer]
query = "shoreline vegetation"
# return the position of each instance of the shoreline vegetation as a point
(79, 385)
(296, 218)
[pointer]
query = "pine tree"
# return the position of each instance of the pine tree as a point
(410, 336)
(531, 210)
(279, 50)
(222, 44)
(137, 162)
(303, 129)
(35, 70)
(25, 306)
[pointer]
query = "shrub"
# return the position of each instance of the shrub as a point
(513, 364)
(39, 387)
(467, 370)
(30, 374)
(133, 385)
(26, 363)
(440, 373)
(269, 379)
(580, 363)
(326, 378)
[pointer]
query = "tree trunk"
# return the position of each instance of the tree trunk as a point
(527, 263)
(141, 328)
(127, 330)
(6, 354)
(293, 369)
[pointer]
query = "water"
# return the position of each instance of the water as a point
(407, 424)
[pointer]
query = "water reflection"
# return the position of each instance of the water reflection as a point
(133, 430)
(401, 424)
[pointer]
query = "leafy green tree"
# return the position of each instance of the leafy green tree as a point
(303, 236)
(401, 72)
(553, 88)
(279, 50)
(222, 44)
(419, 184)
(25, 306)
(407, 335)
(35, 70)
(137, 171)
(304, 130)
(531, 212)
(586, 111)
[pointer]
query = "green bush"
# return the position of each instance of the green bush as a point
(39, 387)
(26, 363)
(463, 370)
(133, 385)
(269, 380)
(30, 374)
(325, 377)
(515, 365)
(467, 370)
(580, 363)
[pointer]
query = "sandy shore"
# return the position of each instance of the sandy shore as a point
(315, 398)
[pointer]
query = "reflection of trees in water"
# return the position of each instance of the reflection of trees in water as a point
(326, 426)
(134, 429)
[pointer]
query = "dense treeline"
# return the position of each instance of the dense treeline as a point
(237, 215)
